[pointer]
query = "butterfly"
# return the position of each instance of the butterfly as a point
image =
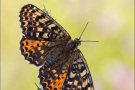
(47, 44)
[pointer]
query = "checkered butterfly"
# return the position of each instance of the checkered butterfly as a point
(45, 43)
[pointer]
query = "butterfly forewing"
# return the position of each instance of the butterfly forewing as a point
(45, 43)
(78, 76)
(38, 25)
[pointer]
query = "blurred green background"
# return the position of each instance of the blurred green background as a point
(111, 22)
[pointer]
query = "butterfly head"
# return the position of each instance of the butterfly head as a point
(72, 44)
(77, 41)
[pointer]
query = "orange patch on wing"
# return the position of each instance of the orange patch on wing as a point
(57, 82)
(30, 45)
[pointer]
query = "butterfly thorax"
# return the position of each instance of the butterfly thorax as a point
(72, 44)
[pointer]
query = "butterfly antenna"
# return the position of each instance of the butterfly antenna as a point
(83, 30)
(89, 41)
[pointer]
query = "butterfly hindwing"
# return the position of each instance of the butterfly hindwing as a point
(53, 78)
(71, 74)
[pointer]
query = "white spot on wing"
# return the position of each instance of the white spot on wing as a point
(45, 35)
(72, 75)
(83, 73)
(51, 25)
(37, 34)
(75, 82)
(40, 29)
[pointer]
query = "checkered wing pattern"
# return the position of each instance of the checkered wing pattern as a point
(78, 76)
(70, 74)
(41, 34)
(47, 44)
